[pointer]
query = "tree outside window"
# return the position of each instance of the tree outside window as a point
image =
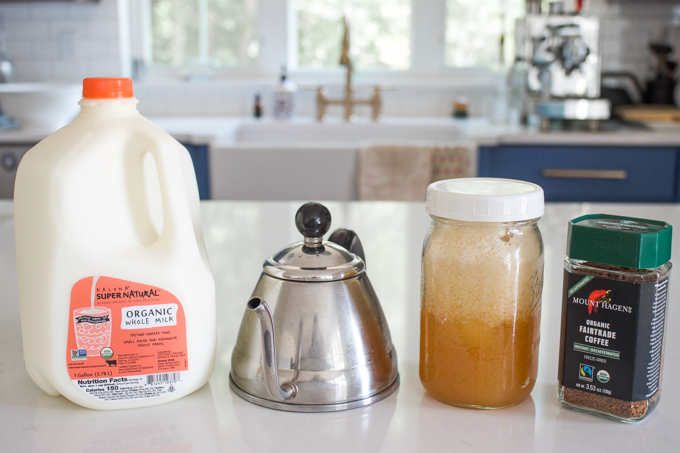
(225, 34)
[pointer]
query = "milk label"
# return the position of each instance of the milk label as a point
(126, 340)
(146, 316)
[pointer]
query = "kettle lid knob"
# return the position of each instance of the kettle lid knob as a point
(313, 220)
(314, 260)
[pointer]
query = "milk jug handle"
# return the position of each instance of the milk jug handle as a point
(177, 222)
(192, 194)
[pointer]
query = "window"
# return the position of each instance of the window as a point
(481, 32)
(380, 32)
(256, 37)
(203, 32)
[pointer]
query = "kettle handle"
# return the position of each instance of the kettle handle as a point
(348, 239)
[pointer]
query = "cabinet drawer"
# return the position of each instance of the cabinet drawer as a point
(583, 173)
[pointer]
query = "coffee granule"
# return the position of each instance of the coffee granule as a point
(613, 406)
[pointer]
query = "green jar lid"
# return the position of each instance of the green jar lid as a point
(619, 241)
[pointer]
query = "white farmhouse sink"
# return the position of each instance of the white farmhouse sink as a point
(393, 130)
(307, 160)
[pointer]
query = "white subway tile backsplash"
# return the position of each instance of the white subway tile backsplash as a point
(392, 103)
(91, 11)
(108, 8)
(104, 68)
(92, 48)
(68, 25)
(61, 41)
(67, 40)
(612, 48)
(74, 72)
(38, 30)
(613, 27)
(627, 29)
(32, 71)
(212, 107)
(15, 12)
(22, 51)
(194, 108)
(111, 47)
(645, 9)
(596, 7)
(106, 28)
(45, 51)
(47, 11)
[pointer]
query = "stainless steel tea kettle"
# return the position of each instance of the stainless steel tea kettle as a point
(314, 337)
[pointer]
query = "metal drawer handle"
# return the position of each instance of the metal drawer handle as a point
(584, 174)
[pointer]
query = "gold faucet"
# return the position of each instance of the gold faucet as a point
(322, 99)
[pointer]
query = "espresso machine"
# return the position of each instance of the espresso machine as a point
(561, 61)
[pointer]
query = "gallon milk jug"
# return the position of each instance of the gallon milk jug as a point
(117, 297)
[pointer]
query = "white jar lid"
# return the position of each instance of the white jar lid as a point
(485, 200)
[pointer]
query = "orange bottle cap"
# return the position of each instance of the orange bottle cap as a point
(107, 88)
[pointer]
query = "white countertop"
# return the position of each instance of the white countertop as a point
(495, 135)
(222, 132)
(194, 130)
(213, 419)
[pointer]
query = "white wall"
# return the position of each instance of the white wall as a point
(70, 41)
(229, 98)
(63, 42)
(627, 28)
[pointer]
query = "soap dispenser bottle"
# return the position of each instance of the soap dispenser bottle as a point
(284, 97)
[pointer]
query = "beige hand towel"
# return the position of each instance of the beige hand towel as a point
(402, 173)
(394, 172)
(453, 162)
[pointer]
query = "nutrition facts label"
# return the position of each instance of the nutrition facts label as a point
(132, 387)
(126, 340)
(656, 338)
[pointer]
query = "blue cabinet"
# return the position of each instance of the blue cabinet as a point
(199, 155)
(589, 173)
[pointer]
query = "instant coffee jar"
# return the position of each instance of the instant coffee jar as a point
(613, 315)
(481, 284)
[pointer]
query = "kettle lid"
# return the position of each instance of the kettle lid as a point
(313, 259)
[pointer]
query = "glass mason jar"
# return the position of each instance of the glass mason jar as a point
(481, 284)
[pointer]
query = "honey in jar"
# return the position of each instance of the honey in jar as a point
(482, 277)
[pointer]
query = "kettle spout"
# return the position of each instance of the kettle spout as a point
(280, 392)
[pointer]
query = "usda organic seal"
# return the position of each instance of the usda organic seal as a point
(603, 376)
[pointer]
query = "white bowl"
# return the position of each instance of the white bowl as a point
(41, 105)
